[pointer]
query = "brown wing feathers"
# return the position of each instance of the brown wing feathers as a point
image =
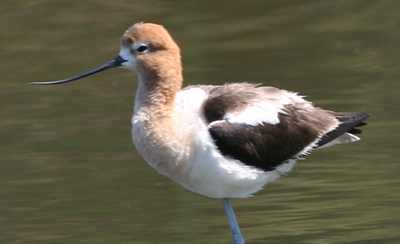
(264, 146)
(267, 146)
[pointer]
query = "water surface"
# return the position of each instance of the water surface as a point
(70, 174)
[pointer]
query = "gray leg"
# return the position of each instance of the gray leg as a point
(236, 234)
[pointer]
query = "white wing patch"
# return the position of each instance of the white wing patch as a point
(255, 115)
(266, 111)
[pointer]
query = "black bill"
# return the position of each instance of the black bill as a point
(116, 62)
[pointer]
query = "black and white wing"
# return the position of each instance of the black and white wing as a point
(264, 127)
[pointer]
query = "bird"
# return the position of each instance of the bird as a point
(221, 141)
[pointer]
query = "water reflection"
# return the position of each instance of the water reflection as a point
(68, 170)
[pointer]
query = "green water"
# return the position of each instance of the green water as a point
(69, 172)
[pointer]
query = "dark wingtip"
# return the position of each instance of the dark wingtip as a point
(365, 115)
(351, 117)
(348, 123)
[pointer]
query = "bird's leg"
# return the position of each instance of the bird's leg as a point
(236, 234)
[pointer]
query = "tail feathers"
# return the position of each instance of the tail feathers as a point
(345, 131)
(343, 139)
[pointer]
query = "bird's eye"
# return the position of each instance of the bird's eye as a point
(142, 49)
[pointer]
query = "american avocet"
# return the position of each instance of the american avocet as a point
(219, 141)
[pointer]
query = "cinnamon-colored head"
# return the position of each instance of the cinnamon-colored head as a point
(148, 48)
